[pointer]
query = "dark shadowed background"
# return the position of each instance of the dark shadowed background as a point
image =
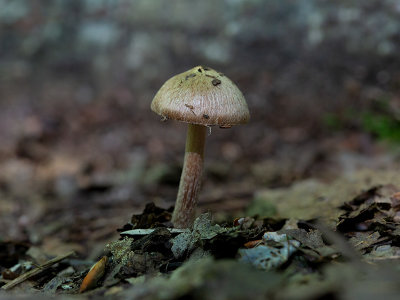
(80, 150)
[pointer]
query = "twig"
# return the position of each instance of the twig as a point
(149, 231)
(36, 271)
(384, 258)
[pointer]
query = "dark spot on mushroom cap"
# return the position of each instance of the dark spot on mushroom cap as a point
(206, 116)
(221, 74)
(206, 68)
(215, 82)
(190, 75)
(199, 69)
(189, 106)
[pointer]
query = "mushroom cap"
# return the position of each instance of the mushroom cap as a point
(201, 96)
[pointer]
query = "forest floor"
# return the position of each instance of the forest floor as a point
(289, 218)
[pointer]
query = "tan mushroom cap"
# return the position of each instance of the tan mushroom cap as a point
(201, 96)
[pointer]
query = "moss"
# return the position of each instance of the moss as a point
(383, 126)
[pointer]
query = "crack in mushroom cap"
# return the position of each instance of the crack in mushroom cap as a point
(201, 96)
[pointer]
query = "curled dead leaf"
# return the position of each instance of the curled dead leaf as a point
(94, 275)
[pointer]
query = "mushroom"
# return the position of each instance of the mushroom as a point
(201, 97)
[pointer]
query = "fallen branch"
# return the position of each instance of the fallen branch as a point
(36, 271)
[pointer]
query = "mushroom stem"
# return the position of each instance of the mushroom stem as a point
(190, 182)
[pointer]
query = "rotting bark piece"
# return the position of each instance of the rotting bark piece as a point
(151, 217)
(157, 241)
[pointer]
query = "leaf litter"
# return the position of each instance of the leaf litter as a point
(251, 257)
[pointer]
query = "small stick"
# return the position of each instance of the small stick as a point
(150, 230)
(383, 258)
(36, 271)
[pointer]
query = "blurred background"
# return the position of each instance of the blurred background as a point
(80, 150)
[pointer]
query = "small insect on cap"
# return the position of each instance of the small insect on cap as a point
(201, 96)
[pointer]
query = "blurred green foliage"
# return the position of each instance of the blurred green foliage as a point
(335, 122)
(378, 119)
(385, 127)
